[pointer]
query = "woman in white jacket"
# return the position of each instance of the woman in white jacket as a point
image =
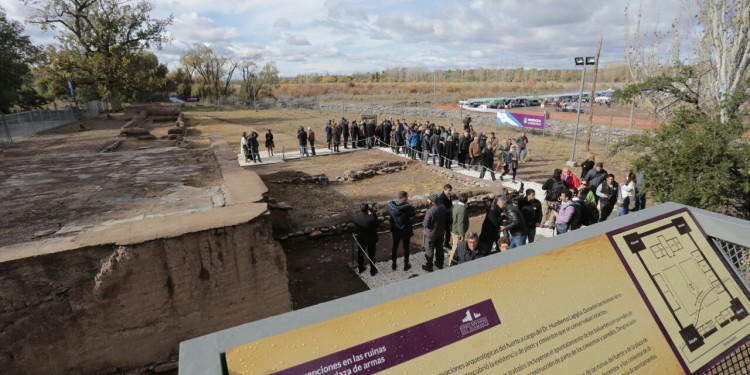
(627, 194)
(243, 147)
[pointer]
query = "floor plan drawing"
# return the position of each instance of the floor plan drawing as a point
(694, 295)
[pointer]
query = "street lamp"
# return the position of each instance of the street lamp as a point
(579, 61)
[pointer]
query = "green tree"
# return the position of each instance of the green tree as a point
(101, 38)
(701, 157)
(215, 72)
(16, 56)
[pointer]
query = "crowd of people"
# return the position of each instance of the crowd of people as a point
(251, 146)
(472, 150)
(510, 221)
(426, 141)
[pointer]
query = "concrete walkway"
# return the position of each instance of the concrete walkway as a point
(280, 157)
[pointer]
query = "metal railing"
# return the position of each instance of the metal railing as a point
(16, 126)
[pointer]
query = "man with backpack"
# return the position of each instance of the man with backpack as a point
(531, 209)
(595, 176)
(553, 187)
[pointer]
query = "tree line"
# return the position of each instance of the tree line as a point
(102, 50)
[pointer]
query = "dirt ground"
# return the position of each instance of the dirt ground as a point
(57, 183)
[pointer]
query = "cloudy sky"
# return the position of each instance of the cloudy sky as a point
(336, 36)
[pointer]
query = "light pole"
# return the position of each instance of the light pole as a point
(579, 61)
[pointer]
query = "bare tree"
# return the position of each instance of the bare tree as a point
(717, 67)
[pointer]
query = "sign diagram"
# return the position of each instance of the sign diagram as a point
(699, 304)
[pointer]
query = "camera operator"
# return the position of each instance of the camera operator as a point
(515, 224)
(366, 223)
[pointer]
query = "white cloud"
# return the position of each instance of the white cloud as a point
(197, 29)
(359, 35)
(295, 39)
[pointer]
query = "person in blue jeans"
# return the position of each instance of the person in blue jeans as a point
(302, 137)
(513, 224)
(565, 212)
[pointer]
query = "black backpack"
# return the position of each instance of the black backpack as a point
(553, 194)
(589, 213)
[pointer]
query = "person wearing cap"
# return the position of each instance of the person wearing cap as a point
(434, 230)
(311, 139)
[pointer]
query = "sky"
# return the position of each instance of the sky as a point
(343, 37)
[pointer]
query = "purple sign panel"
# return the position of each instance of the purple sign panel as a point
(520, 120)
(402, 346)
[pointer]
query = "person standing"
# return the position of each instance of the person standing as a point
(311, 139)
(398, 138)
(337, 137)
(463, 148)
(329, 133)
(302, 138)
(474, 153)
(435, 146)
(565, 213)
(459, 223)
(607, 193)
(269, 143)
(469, 249)
(450, 150)
(571, 180)
(553, 187)
(596, 176)
(434, 230)
(531, 209)
(345, 130)
(587, 165)
(414, 144)
(627, 194)
(370, 133)
(401, 212)
(243, 147)
(491, 225)
(354, 132)
(523, 144)
(511, 163)
(503, 150)
(446, 200)
(640, 194)
(488, 160)
(514, 225)
(254, 147)
(366, 224)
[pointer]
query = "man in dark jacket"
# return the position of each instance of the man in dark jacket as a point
(302, 138)
(354, 131)
(491, 225)
(607, 193)
(531, 209)
(596, 176)
(463, 148)
(345, 129)
(434, 230)
(370, 133)
(446, 200)
(401, 212)
(329, 133)
(435, 145)
(470, 249)
(514, 225)
(366, 224)
(398, 139)
(553, 187)
(426, 145)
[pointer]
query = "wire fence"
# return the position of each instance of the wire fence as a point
(17, 126)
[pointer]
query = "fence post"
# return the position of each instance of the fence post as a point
(7, 130)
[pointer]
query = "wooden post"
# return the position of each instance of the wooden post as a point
(632, 114)
(593, 94)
